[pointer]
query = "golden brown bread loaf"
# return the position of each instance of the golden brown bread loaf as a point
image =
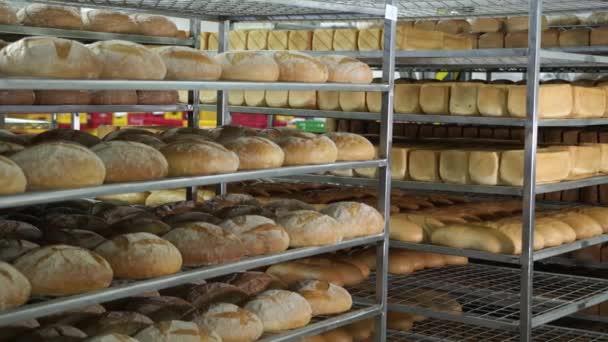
(232, 323)
(184, 63)
(351, 146)
(344, 69)
(17, 97)
(126, 60)
(299, 67)
(121, 322)
(280, 310)
(54, 16)
(15, 287)
(195, 158)
(127, 161)
(341, 273)
(12, 178)
(403, 229)
(482, 25)
(141, 256)
(303, 149)
(469, 236)
(114, 97)
(324, 297)
(49, 57)
(310, 228)
(357, 219)
(8, 14)
(256, 153)
(248, 66)
(57, 165)
(173, 330)
(101, 20)
(154, 25)
(48, 267)
(11, 248)
(260, 235)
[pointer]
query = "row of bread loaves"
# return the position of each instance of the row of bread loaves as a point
(83, 97)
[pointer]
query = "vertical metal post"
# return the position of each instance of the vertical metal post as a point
(269, 120)
(223, 117)
(53, 122)
(488, 76)
(193, 97)
(384, 151)
(75, 121)
(2, 120)
(529, 194)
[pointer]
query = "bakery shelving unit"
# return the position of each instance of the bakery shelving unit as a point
(223, 12)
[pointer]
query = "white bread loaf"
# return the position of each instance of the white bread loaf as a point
(232, 323)
(49, 57)
(47, 269)
(236, 97)
(278, 40)
(555, 101)
(280, 310)
(458, 42)
(248, 66)
(173, 331)
(565, 233)
(599, 214)
(454, 166)
(111, 337)
(324, 297)
(518, 24)
(468, 236)
(322, 39)
(212, 41)
(492, 99)
(310, 228)
(551, 235)
(345, 69)
(584, 226)
(588, 102)
(276, 98)
(237, 40)
(484, 167)
(127, 161)
(550, 38)
(424, 165)
(370, 39)
(192, 158)
(8, 14)
(551, 166)
(398, 165)
(12, 179)
(15, 287)
(491, 40)
(574, 37)
(352, 101)
(417, 39)
(308, 149)
(585, 160)
(305, 99)
(202, 243)
(54, 16)
(299, 40)
(345, 39)
(463, 98)
(435, 98)
(101, 20)
(257, 40)
(184, 63)
(298, 67)
(154, 25)
(259, 234)
(453, 26)
(57, 165)
(513, 230)
(255, 98)
(328, 100)
(425, 25)
(483, 25)
(140, 256)
(373, 100)
(127, 60)
(357, 219)
(407, 98)
(256, 153)
(403, 229)
(351, 146)
(112, 97)
(598, 36)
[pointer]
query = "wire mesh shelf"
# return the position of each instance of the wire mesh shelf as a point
(487, 295)
(432, 330)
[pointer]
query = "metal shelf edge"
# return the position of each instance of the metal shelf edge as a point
(576, 245)
(572, 184)
(298, 112)
(505, 258)
(94, 108)
(571, 308)
(63, 304)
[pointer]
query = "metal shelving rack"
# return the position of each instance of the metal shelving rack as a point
(223, 12)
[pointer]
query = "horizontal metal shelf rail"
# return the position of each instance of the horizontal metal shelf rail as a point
(488, 295)
(38, 197)
(94, 109)
(52, 306)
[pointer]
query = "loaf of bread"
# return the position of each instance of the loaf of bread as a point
(518, 24)
(12, 178)
(585, 160)
(256, 153)
(353, 101)
(491, 40)
(237, 40)
(126, 60)
(407, 98)
(58, 165)
(49, 57)
(308, 149)
(588, 102)
(373, 101)
(370, 39)
(113, 97)
(357, 219)
(598, 36)
(101, 20)
(257, 40)
(584, 226)
(323, 39)
(248, 66)
(403, 229)
(304, 99)
(483, 167)
(184, 63)
(192, 158)
(345, 39)
(280, 310)
(11, 249)
(298, 67)
(141, 256)
(342, 273)
(435, 98)
(300, 40)
(121, 322)
(52, 333)
(424, 165)
(328, 100)
(15, 287)
(345, 69)
(551, 166)
(254, 98)
(8, 14)
(48, 267)
(154, 25)
(232, 323)
(468, 236)
(599, 214)
(554, 232)
(454, 166)
(574, 37)
(351, 146)
(492, 99)
(555, 101)
(260, 235)
(463, 98)
(310, 228)
(212, 41)
(278, 40)
(483, 25)
(276, 98)
(425, 25)
(453, 26)
(418, 39)
(513, 230)
(174, 330)
(127, 161)
(54, 16)
(324, 297)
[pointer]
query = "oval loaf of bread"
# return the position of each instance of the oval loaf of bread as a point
(125, 60)
(248, 66)
(280, 310)
(154, 25)
(232, 323)
(102, 20)
(15, 287)
(184, 63)
(127, 161)
(53, 16)
(194, 158)
(310, 228)
(12, 179)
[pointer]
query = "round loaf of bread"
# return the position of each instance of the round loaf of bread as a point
(259, 234)
(226, 134)
(121, 322)
(248, 66)
(49, 57)
(324, 297)
(154, 25)
(358, 219)
(66, 134)
(310, 228)
(8, 14)
(101, 20)
(128, 61)
(53, 16)
(63, 97)
(12, 178)
(202, 243)
(114, 97)
(53, 333)
(111, 337)
(194, 158)
(157, 97)
(306, 150)
(128, 161)
(344, 69)
(256, 153)
(352, 146)
(47, 269)
(184, 63)
(299, 67)
(57, 165)
(141, 256)
(280, 310)
(17, 97)
(232, 323)
(15, 287)
(173, 331)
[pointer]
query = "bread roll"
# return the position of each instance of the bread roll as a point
(310, 228)
(111, 337)
(307, 149)
(232, 323)
(325, 298)
(53, 333)
(8, 14)
(57, 165)
(345, 69)
(154, 25)
(299, 67)
(280, 310)
(166, 331)
(48, 267)
(114, 97)
(202, 243)
(195, 158)
(256, 153)
(184, 63)
(259, 234)
(357, 219)
(12, 178)
(49, 57)
(248, 66)
(141, 256)
(53, 16)
(15, 287)
(126, 60)
(101, 20)
(127, 161)
(473, 237)
(351, 146)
